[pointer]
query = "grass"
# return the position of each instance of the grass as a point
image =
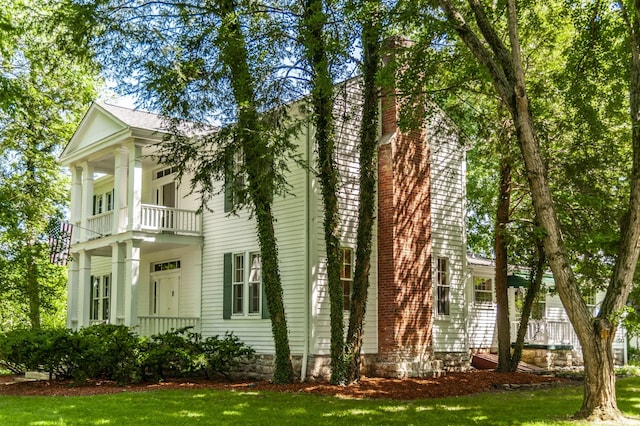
(540, 407)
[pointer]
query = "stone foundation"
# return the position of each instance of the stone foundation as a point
(261, 366)
(550, 358)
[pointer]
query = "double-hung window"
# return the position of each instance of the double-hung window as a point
(346, 275)
(238, 284)
(482, 290)
(243, 295)
(235, 182)
(100, 298)
(443, 285)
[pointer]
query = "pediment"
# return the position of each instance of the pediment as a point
(97, 125)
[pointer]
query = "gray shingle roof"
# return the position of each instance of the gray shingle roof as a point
(136, 118)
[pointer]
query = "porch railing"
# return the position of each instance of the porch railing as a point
(150, 325)
(547, 332)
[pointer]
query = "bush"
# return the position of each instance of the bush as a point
(22, 350)
(221, 355)
(114, 352)
(105, 351)
(170, 354)
(182, 353)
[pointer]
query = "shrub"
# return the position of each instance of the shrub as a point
(170, 354)
(184, 353)
(114, 352)
(105, 351)
(22, 350)
(221, 355)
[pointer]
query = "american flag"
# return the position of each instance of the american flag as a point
(59, 241)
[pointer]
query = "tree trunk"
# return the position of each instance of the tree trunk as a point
(535, 283)
(595, 337)
(502, 298)
(259, 166)
(313, 36)
(599, 400)
(367, 194)
(33, 289)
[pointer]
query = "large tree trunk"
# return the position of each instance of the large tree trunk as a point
(259, 166)
(366, 208)
(500, 246)
(314, 43)
(596, 335)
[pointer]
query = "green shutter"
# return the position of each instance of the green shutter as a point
(228, 193)
(265, 305)
(226, 286)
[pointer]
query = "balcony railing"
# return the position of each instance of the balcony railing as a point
(150, 325)
(100, 225)
(160, 218)
(152, 218)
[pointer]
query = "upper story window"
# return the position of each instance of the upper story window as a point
(103, 202)
(443, 292)
(235, 182)
(346, 275)
(482, 290)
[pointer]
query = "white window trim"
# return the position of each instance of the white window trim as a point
(483, 303)
(246, 291)
(352, 267)
(437, 315)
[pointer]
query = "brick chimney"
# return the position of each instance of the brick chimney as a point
(405, 296)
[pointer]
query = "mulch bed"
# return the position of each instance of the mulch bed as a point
(451, 384)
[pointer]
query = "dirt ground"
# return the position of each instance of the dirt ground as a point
(452, 384)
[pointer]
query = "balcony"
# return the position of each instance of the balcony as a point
(152, 219)
(169, 219)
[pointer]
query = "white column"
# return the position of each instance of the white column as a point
(72, 292)
(84, 289)
(134, 186)
(76, 200)
(120, 190)
(132, 281)
(116, 314)
(87, 200)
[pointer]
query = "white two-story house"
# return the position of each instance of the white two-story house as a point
(142, 256)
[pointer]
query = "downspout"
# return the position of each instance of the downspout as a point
(307, 260)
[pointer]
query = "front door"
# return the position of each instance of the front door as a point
(165, 295)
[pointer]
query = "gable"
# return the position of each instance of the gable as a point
(97, 125)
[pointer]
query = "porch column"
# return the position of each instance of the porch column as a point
(116, 313)
(132, 280)
(76, 200)
(87, 200)
(134, 186)
(83, 301)
(120, 190)
(72, 292)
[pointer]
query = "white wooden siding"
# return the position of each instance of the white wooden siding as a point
(481, 324)
(347, 112)
(224, 234)
(447, 227)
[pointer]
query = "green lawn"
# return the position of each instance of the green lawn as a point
(549, 406)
